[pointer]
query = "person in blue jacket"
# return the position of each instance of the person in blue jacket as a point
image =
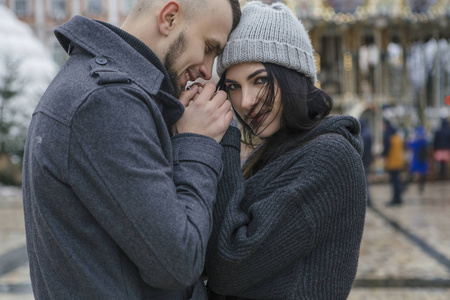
(121, 164)
(418, 167)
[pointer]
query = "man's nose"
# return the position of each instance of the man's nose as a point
(206, 70)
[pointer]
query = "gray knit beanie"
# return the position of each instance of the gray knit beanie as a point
(269, 34)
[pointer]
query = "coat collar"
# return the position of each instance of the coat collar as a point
(100, 39)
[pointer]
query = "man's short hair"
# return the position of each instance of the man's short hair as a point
(190, 8)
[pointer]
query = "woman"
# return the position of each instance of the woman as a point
(394, 160)
(290, 225)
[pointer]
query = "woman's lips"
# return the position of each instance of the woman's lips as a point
(258, 119)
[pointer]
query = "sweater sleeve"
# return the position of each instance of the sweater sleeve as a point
(256, 236)
(158, 213)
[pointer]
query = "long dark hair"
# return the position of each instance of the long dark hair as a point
(304, 107)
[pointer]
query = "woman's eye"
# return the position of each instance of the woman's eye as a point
(232, 87)
(261, 80)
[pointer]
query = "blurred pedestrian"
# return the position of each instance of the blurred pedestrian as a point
(441, 147)
(394, 156)
(418, 166)
(367, 156)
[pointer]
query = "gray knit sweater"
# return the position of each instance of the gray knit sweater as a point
(293, 230)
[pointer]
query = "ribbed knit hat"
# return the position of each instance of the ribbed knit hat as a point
(269, 34)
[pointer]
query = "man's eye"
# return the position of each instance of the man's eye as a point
(208, 49)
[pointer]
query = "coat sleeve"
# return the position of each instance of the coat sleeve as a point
(251, 244)
(159, 214)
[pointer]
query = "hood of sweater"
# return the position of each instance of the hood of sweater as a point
(344, 125)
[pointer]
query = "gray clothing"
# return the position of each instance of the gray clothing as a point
(115, 207)
(293, 230)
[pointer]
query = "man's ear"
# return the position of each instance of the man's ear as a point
(169, 16)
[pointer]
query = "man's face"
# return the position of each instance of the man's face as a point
(192, 55)
(175, 50)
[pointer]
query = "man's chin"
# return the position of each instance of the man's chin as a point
(177, 88)
(174, 79)
(180, 87)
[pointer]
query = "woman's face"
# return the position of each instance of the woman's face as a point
(245, 84)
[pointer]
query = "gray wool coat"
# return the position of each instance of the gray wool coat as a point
(115, 207)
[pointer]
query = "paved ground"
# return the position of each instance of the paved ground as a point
(405, 253)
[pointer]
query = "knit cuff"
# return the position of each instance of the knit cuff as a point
(232, 138)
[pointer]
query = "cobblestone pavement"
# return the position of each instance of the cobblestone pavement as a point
(405, 252)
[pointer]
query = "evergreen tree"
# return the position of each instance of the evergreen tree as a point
(11, 86)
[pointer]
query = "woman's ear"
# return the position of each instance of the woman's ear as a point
(169, 16)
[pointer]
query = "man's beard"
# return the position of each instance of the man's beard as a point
(175, 49)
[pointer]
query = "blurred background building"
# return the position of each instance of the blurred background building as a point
(45, 15)
(377, 58)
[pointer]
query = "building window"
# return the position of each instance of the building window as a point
(94, 7)
(22, 8)
(58, 9)
(126, 6)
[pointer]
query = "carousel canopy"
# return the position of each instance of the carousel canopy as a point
(351, 11)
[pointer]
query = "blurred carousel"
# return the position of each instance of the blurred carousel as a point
(382, 58)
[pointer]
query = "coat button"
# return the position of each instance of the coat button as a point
(101, 60)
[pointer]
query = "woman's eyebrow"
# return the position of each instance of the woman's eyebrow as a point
(230, 81)
(255, 73)
(249, 76)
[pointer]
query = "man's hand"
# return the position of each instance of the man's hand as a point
(207, 113)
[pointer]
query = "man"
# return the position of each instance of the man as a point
(119, 175)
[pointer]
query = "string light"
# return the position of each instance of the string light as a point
(348, 61)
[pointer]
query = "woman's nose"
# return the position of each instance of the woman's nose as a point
(248, 99)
